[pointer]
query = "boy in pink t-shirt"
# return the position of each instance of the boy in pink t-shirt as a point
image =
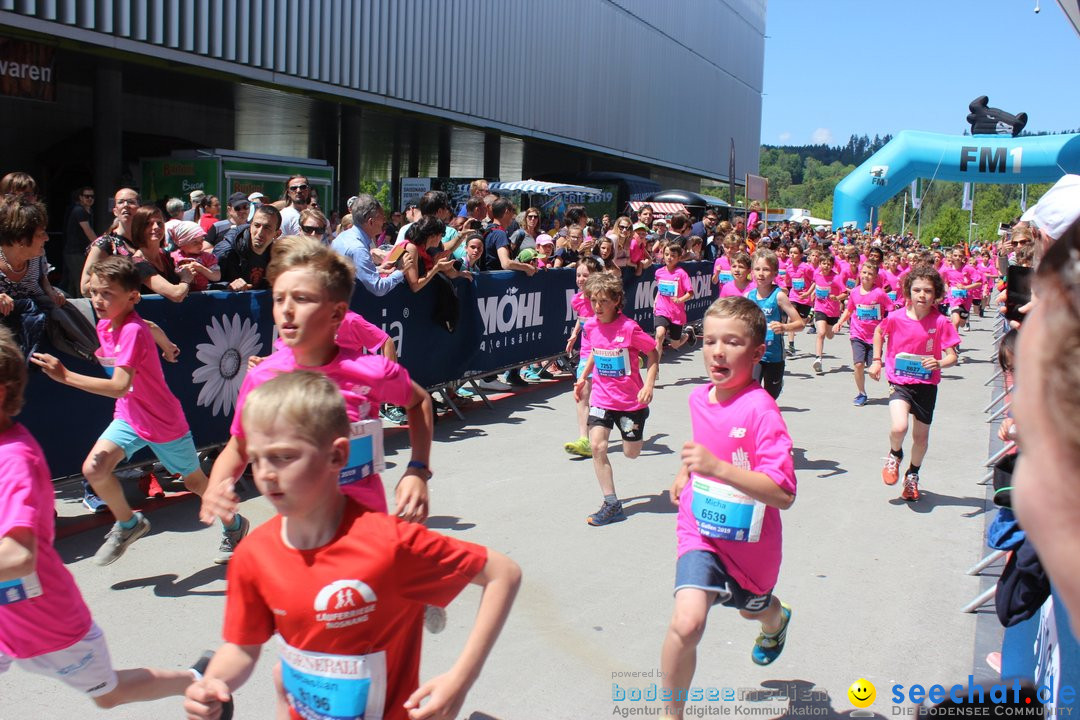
(45, 626)
(583, 309)
(740, 283)
(921, 342)
(800, 281)
(867, 307)
(618, 395)
(960, 281)
(673, 291)
(829, 294)
(147, 414)
(736, 476)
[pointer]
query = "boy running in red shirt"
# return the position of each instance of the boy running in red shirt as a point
(345, 602)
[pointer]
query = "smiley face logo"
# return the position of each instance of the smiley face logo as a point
(862, 693)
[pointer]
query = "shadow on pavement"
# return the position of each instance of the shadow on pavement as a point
(171, 587)
(928, 500)
(659, 503)
(802, 462)
(448, 522)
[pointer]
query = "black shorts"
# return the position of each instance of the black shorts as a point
(803, 310)
(862, 352)
(771, 377)
(631, 422)
(921, 397)
(674, 330)
(831, 319)
(964, 314)
(704, 570)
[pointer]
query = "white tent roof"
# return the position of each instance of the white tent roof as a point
(541, 187)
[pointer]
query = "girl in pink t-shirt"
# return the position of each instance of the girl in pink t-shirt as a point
(867, 307)
(740, 283)
(921, 342)
(800, 280)
(673, 290)
(583, 310)
(829, 294)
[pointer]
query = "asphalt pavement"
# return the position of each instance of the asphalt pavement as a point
(876, 583)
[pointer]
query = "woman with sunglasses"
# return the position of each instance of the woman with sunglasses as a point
(624, 233)
(525, 236)
(156, 267)
(313, 224)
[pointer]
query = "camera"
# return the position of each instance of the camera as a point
(458, 264)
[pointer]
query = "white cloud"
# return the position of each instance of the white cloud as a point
(785, 136)
(821, 136)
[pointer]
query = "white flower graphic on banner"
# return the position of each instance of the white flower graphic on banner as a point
(224, 361)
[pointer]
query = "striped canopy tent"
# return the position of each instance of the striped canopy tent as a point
(660, 208)
(540, 187)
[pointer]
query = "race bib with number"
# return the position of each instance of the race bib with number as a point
(909, 365)
(20, 589)
(822, 293)
(850, 282)
(868, 312)
(108, 364)
(959, 293)
(892, 295)
(365, 452)
(612, 362)
(726, 277)
(782, 272)
(320, 686)
(667, 288)
(798, 283)
(723, 512)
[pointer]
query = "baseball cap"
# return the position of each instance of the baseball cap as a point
(196, 196)
(1058, 208)
(526, 255)
(255, 196)
(544, 239)
(641, 226)
(237, 198)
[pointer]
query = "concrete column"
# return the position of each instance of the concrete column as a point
(395, 168)
(414, 149)
(348, 170)
(108, 134)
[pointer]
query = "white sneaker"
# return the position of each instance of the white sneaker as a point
(817, 366)
(493, 386)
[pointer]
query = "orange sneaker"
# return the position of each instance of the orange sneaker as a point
(911, 487)
(890, 473)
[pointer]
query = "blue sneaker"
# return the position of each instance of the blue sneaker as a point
(811, 330)
(530, 375)
(464, 393)
(608, 513)
(768, 647)
(93, 503)
(860, 400)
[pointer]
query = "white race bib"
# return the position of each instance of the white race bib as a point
(667, 288)
(611, 362)
(909, 365)
(724, 512)
(868, 312)
(320, 686)
(365, 452)
(20, 589)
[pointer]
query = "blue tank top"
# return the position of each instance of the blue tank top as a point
(774, 343)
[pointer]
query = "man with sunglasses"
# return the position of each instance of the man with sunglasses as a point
(236, 219)
(297, 200)
(78, 235)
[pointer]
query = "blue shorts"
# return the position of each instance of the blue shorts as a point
(703, 570)
(178, 456)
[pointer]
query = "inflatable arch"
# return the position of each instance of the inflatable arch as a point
(960, 158)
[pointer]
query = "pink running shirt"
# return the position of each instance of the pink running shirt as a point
(616, 377)
(356, 332)
(148, 406)
(868, 309)
(44, 612)
(825, 285)
(731, 289)
(748, 431)
(671, 285)
(908, 340)
(583, 308)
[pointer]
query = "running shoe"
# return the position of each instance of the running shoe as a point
(531, 375)
(465, 393)
(817, 366)
(434, 619)
(513, 377)
(911, 487)
(608, 513)
(691, 335)
(199, 668)
(493, 386)
(118, 539)
(860, 399)
(150, 487)
(791, 350)
(811, 330)
(395, 414)
(890, 473)
(93, 503)
(768, 646)
(579, 447)
(230, 539)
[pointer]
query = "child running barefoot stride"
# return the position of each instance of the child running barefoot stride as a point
(345, 600)
(45, 626)
(583, 308)
(921, 342)
(147, 413)
(673, 291)
(618, 394)
(867, 307)
(736, 476)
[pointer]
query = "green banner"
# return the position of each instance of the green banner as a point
(164, 178)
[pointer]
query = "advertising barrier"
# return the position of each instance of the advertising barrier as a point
(497, 321)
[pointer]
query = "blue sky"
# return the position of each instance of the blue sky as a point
(838, 67)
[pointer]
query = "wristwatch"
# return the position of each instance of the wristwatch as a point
(425, 470)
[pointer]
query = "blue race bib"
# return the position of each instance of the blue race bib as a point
(908, 365)
(611, 363)
(667, 288)
(959, 293)
(20, 589)
(821, 293)
(850, 282)
(725, 277)
(798, 283)
(365, 452)
(725, 513)
(868, 312)
(320, 686)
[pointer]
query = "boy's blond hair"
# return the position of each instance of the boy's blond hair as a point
(605, 284)
(769, 257)
(12, 373)
(744, 310)
(336, 272)
(306, 401)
